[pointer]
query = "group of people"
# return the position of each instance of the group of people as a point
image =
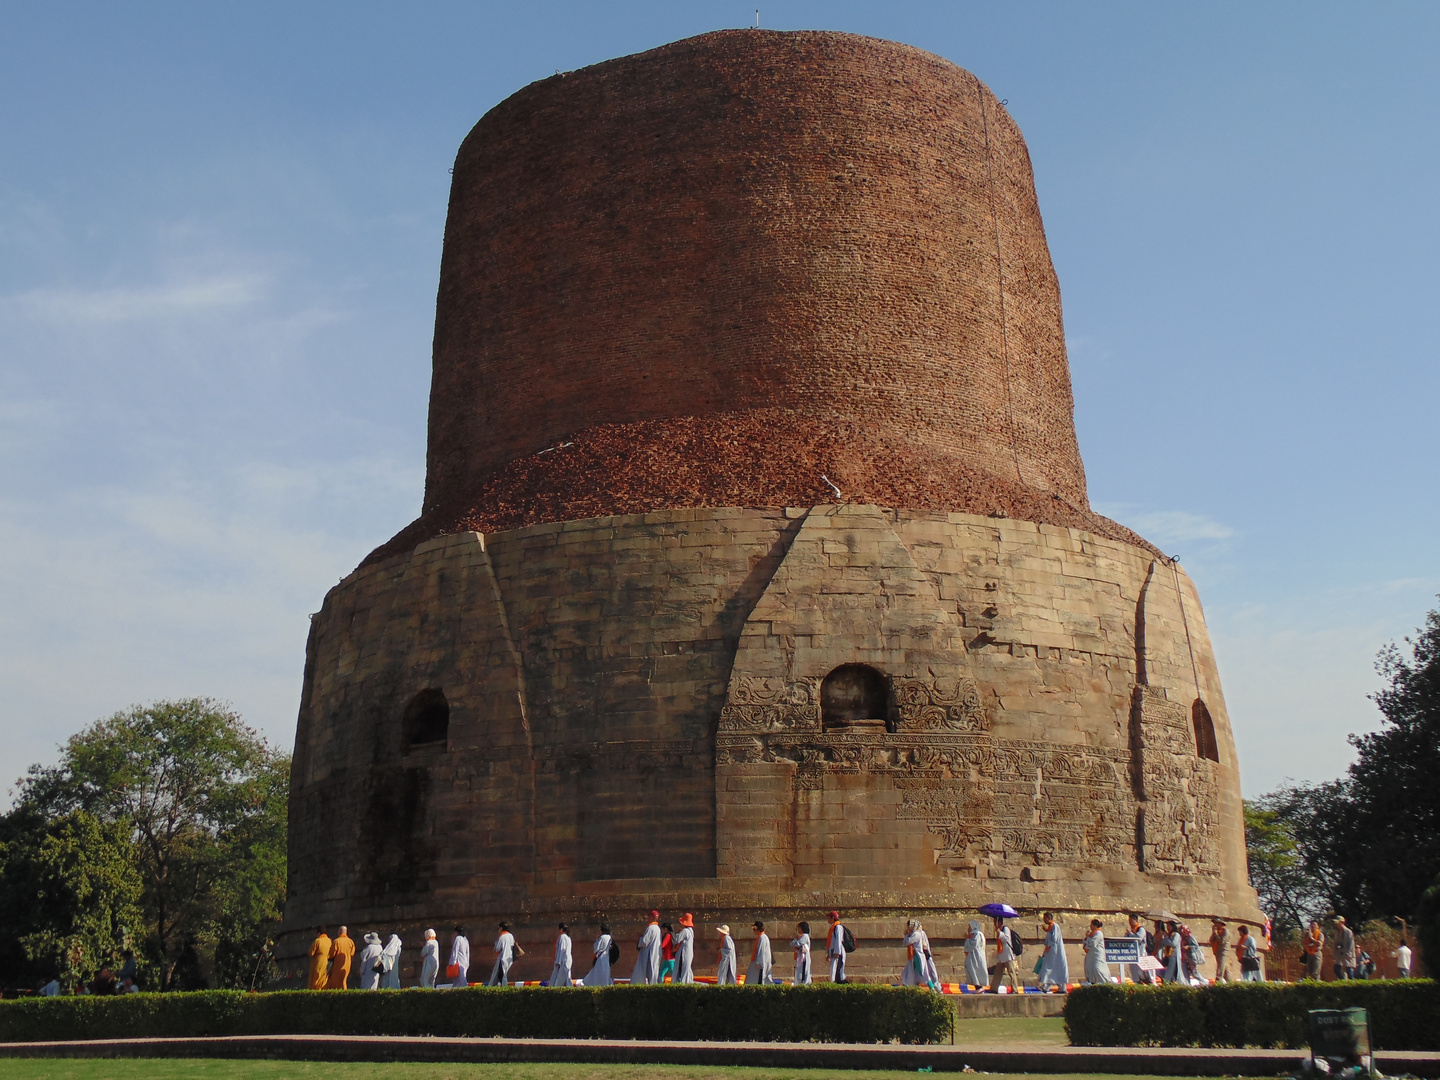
(666, 953)
(332, 960)
(1351, 961)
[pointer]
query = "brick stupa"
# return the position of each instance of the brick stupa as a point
(756, 574)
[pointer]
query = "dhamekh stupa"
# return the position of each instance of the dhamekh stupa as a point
(756, 574)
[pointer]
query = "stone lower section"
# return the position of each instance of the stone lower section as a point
(762, 713)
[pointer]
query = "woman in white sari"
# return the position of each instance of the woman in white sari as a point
(599, 974)
(560, 974)
(976, 973)
(369, 962)
(390, 964)
(919, 965)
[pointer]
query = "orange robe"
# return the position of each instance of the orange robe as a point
(319, 961)
(342, 951)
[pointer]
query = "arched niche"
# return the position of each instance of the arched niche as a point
(854, 695)
(1205, 744)
(427, 718)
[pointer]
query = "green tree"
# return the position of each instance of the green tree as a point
(1370, 842)
(202, 799)
(70, 895)
(1288, 892)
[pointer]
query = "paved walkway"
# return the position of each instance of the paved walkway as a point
(1067, 1059)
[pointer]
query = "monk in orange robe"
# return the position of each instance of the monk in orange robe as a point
(342, 951)
(319, 959)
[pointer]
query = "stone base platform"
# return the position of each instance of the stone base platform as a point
(1069, 1059)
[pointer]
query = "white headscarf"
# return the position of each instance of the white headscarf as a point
(392, 947)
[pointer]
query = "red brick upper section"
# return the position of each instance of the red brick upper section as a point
(726, 266)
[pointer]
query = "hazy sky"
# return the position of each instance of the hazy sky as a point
(220, 234)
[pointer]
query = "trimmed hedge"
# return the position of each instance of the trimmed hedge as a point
(1404, 1013)
(855, 1014)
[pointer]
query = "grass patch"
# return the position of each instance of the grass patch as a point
(216, 1069)
(1011, 1032)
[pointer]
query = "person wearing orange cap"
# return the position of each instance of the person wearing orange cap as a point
(647, 958)
(835, 948)
(685, 950)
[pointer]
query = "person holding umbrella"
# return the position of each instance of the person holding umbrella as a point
(1007, 946)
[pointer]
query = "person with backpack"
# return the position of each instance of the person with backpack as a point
(837, 945)
(599, 973)
(1008, 949)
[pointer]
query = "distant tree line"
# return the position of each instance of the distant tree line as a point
(161, 830)
(1365, 846)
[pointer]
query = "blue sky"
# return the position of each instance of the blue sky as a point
(220, 232)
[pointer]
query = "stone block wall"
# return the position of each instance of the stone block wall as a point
(636, 719)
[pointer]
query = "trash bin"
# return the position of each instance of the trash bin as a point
(1341, 1037)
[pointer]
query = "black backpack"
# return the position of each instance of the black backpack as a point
(614, 953)
(1016, 945)
(847, 939)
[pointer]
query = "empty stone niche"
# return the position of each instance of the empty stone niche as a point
(427, 718)
(855, 697)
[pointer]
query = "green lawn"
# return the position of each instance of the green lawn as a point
(1011, 1032)
(210, 1069)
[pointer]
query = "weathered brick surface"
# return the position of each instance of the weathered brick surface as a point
(729, 265)
(633, 724)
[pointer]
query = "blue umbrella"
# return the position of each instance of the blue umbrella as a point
(999, 911)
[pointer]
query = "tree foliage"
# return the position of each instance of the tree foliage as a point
(1277, 869)
(194, 803)
(1370, 842)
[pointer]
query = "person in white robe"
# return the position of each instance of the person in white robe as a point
(919, 964)
(390, 964)
(976, 971)
(1054, 967)
(725, 973)
(429, 960)
(560, 973)
(758, 974)
(647, 959)
(1171, 952)
(506, 950)
(684, 944)
(835, 948)
(370, 966)
(1142, 936)
(460, 958)
(801, 944)
(1097, 968)
(599, 973)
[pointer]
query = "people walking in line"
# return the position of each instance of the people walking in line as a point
(835, 948)
(459, 959)
(917, 957)
(725, 973)
(320, 959)
(1006, 940)
(1344, 949)
(1170, 952)
(560, 973)
(1220, 949)
(684, 944)
(1054, 967)
(507, 950)
(976, 971)
(1248, 953)
(1145, 946)
(1401, 955)
(429, 960)
(1097, 968)
(667, 952)
(342, 953)
(369, 962)
(647, 954)
(801, 944)
(390, 964)
(599, 973)
(758, 974)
